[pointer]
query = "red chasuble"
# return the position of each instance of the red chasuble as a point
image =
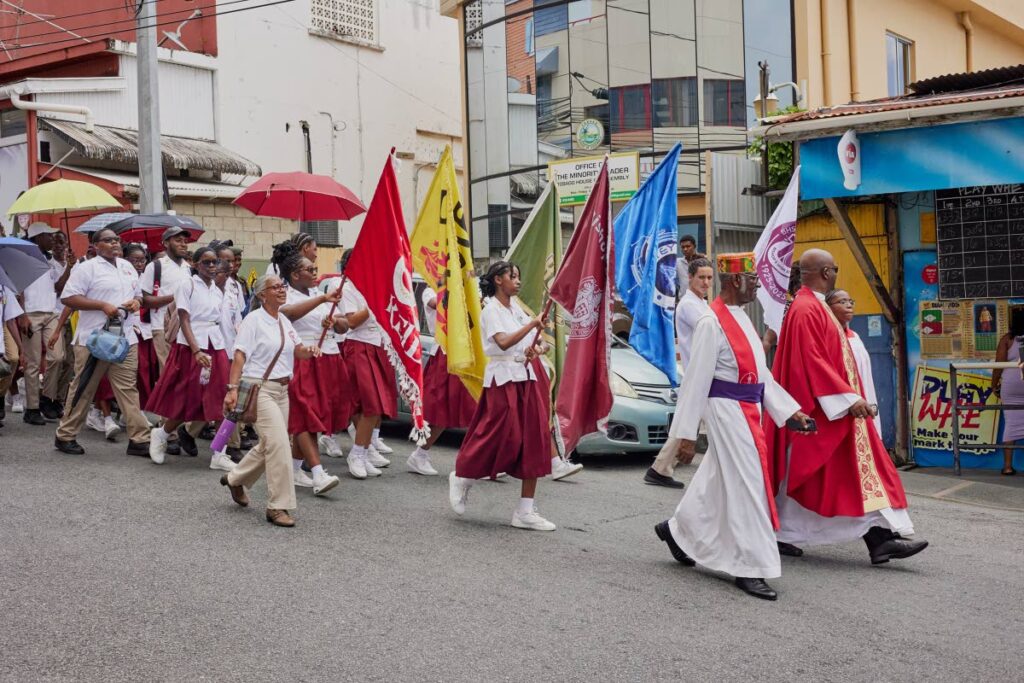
(843, 469)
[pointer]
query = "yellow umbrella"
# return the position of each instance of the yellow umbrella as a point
(62, 195)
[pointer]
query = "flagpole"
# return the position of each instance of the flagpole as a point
(334, 307)
(536, 337)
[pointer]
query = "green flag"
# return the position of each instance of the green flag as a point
(537, 250)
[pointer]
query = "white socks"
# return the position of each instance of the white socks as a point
(421, 453)
(376, 435)
(318, 470)
(555, 462)
(358, 451)
(296, 465)
(525, 506)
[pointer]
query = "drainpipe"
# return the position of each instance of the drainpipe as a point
(965, 21)
(826, 55)
(852, 39)
(56, 108)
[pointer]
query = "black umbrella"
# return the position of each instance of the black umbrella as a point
(149, 228)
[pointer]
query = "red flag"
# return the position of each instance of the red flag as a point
(584, 287)
(381, 269)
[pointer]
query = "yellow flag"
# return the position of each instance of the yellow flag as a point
(440, 254)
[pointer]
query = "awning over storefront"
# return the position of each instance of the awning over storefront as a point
(122, 145)
(177, 187)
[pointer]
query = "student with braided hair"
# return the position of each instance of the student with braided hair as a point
(302, 242)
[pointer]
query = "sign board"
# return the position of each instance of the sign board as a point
(962, 329)
(931, 420)
(575, 177)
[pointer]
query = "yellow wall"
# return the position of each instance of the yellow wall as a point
(821, 232)
(933, 26)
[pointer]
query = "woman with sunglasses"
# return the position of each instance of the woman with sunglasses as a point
(192, 386)
(311, 389)
(267, 346)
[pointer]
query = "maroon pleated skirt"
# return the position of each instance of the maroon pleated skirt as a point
(178, 395)
(309, 408)
(374, 387)
(446, 402)
(509, 433)
(338, 391)
(104, 392)
(149, 369)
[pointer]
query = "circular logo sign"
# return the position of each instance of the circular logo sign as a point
(930, 274)
(851, 153)
(590, 134)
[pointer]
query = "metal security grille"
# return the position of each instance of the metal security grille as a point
(474, 15)
(324, 232)
(348, 19)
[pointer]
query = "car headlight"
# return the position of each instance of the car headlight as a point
(621, 387)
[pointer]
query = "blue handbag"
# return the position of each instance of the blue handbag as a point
(108, 346)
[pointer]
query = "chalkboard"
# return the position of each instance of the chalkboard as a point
(979, 233)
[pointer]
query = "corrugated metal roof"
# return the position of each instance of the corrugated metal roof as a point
(176, 187)
(971, 80)
(122, 145)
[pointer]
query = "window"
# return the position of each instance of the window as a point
(898, 63)
(497, 226)
(724, 103)
(528, 36)
(12, 123)
(324, 232)
(550, 20)
(630, 108)
(675, 102)
(350, 20)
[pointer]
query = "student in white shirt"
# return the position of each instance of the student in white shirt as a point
(97, 288)
(192, 386)
(10, 339)
(510, 429)
(311, 388)
(158, 294)
(264, 335)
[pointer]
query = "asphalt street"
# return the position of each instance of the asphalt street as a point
(115, 569)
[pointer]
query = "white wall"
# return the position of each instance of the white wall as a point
(272, 74)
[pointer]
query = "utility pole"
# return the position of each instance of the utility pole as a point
(763, 66)
(151, 194)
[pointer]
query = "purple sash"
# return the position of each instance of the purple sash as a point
(747, 393)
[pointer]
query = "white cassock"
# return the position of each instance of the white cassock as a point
(867, 379)
(723, 521)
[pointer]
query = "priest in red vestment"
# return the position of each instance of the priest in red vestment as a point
(839, 483)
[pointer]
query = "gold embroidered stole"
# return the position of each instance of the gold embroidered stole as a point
(872, 492)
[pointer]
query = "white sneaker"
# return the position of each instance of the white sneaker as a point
(419, 463)
(329, 447)
(355, 466)
(458, 492)
(382, 447)
(18, 404)
(324, 483)
(371, 470)
(560, 469)
(374, 457)
(531, 520)
(110, 428)
(221, 461)
(300, 478)
(351, 429)
(158, 445)
(95, 421)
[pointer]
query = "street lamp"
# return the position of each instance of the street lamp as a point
(773, 100)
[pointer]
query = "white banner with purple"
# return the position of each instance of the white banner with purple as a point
(774, 255)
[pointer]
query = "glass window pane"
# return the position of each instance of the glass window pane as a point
(12, 122)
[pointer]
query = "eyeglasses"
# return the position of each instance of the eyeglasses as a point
(312, 270)
(844, 302)
(210, 262)
(278, 286)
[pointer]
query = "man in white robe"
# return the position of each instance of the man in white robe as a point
(726, 520)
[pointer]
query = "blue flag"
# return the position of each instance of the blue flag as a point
(645, 264)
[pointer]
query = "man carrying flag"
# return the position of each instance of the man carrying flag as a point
(380, 308)
(453, 377)
(726, 520)
(645, 264)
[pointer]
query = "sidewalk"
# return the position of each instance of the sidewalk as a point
(986, 488)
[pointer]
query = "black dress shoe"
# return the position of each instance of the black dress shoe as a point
(139, 448)
(187, 443)
(34, 417)
(209, 431)
(70, 447)
(655, 478)
(884, 545)
(246, 444)
(173, 448)
(235, 454)
(790, 550)
(759, 588)
(50, 409)
(661, 528)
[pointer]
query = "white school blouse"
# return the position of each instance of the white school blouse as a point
(310, 326)
(353, 302)
(204, 305)
(508, 365)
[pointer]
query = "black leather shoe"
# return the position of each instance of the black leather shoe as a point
(70, 447)
(209, 431)
(50, 409)
(234, 453)
(173, 448)
(187, 443)
(790, 550)
(884, 545)
(655, 478)
(661, 528)
(246, 444)
(139, 448)
(34, 417)
(759, 588)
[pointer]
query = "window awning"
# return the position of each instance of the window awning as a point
(176, 187)
(122, 145)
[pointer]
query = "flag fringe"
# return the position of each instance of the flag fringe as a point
(409, 390)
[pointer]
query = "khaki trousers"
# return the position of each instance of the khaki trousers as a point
(62, 378)
(161, 347)
(123, 379)
(12, 356)
(273, 453)
(42, 326)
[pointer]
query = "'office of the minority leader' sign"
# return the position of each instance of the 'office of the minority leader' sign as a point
(575, 177)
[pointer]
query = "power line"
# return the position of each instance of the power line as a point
(126, 5)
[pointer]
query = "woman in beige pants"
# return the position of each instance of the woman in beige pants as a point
(264, 353)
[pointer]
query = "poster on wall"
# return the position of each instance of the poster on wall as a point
(931, 420)
(961, 329)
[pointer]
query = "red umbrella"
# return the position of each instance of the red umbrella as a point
(302, 197)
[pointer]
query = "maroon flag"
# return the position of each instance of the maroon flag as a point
(584, 287)
(381, 269)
